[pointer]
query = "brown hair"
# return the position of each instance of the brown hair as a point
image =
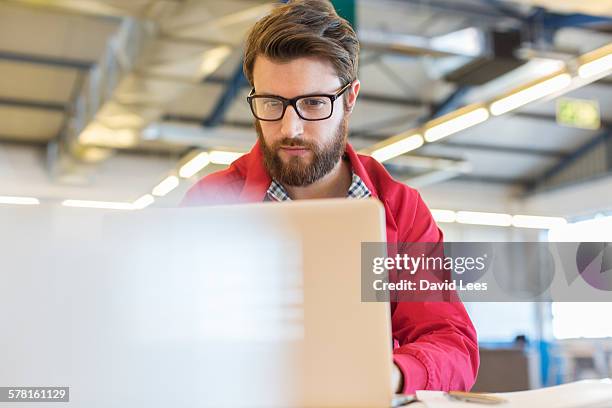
(304, 28)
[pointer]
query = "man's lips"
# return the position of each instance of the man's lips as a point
(294, 150)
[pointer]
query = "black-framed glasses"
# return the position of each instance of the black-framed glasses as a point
(308, 107)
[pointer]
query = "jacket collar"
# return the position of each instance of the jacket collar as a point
(359, 169)
(258, 180)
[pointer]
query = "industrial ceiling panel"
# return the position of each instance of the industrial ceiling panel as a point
(44, 32)
(400, 76)
(109, 8)
(167, 51)
(497, 165)
(29, 124)
(597, 7)
(396, 17)
(197, 101)
(219, 21)
(379, 119)
(35, 82)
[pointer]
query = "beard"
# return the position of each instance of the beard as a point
(296, 172)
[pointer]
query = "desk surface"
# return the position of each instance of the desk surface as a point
(580, 394)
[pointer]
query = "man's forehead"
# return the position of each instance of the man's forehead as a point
(294, 77)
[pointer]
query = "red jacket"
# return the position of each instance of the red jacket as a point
(436, 344)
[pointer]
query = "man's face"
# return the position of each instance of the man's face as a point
(299, 152)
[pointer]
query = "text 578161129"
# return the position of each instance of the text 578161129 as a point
(34, 394)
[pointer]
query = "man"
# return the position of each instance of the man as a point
(301, 61)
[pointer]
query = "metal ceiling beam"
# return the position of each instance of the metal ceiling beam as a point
(74, 94)
(188, 119)
(556, 20)
(20, 141)
(196, 120)
(431, 177)
(452, 102)
(439, 169)
(395, 100)
(604, 82)
(472, 42)
(27, 104)
(46, 60)
(551, 118)
(372, 129)
(543, 24)
(232, 88)
(474, 178)
(600, 138)
(506, 149)
(464, 9)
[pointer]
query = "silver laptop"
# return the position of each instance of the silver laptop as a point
(246, 305)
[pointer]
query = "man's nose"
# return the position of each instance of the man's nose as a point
(292, 125)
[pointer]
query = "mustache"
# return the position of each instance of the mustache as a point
(293, 142)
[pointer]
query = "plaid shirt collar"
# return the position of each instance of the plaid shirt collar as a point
(357, 189)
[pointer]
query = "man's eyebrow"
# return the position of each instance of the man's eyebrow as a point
(317, 92)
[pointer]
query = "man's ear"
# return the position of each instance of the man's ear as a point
(351, 97)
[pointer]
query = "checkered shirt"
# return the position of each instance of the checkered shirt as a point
(358, 189)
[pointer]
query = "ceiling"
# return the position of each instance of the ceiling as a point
(49, 50)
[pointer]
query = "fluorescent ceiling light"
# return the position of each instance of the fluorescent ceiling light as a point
(456, 124)
(532, 221)
(212, 59)
(194, 165)
(98, 134)
(108, 205)
(504, 220)
(221, 157)
(595, 67)
(166, 186)
(404, 145)
(444, 215)
(530, 94)
(143, 202)
(19, 200)
(94, 154)
(484, 218)
(542, 67)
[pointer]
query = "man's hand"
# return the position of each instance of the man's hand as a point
(397, 379)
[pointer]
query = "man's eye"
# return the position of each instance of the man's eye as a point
(272, 104)
(313, 102)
